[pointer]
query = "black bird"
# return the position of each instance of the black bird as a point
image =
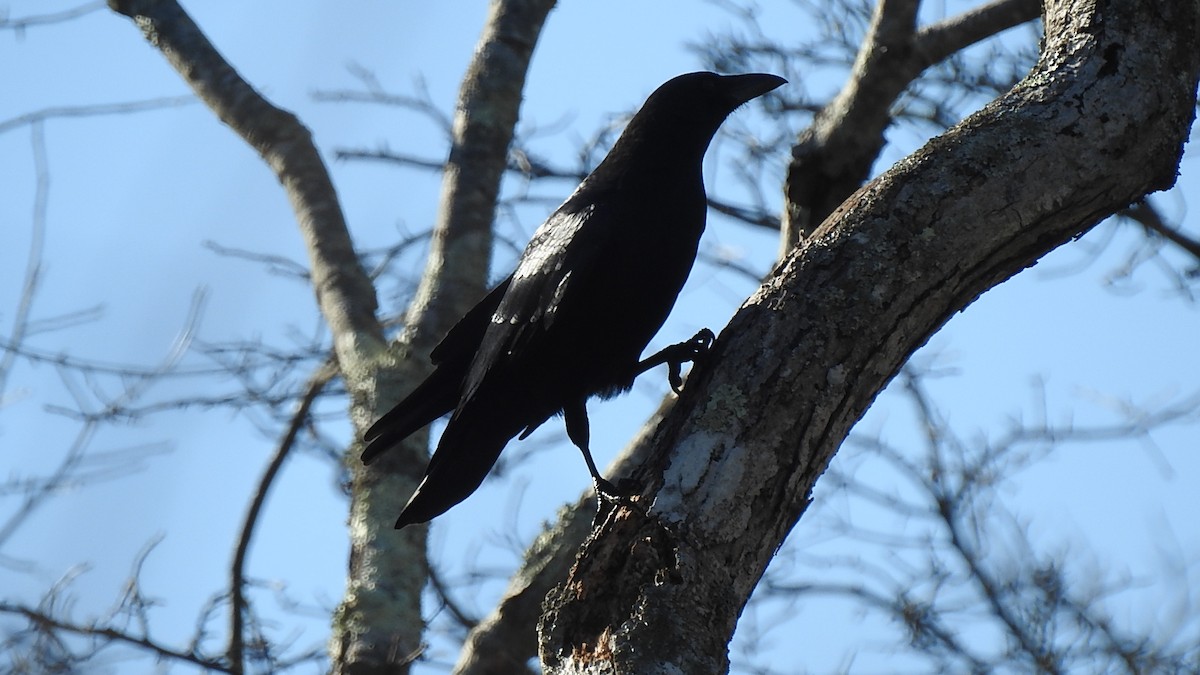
(589, 292)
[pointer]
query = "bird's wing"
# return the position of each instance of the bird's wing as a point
(542, 282)
(463, 340)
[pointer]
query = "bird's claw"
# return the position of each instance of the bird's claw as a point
(616, 495)
(675, 376)
(693, 350)
(605, 489)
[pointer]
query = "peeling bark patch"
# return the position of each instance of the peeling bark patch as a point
(695, 454)
(689, 463)
(723, 499)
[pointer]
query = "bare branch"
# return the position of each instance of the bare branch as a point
(831, 159)
(421, 103)
(77, 451)
(94, 110)
(44, 622)
(386, 570)
(276, 264)
(237, 599)
(33, 264)
(1152, 220)
(461, 616)
(960, 558)
(344, 292)
(938, 41)
(20, 25)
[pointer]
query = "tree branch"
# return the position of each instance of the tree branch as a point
(345, 294)
(77, 451)
(43, 621)
(237, 577)
(97, 110)
(937, 42)
(832, 158)
(1149, 218)
(20, 25)
(34, 260)
(489, 101)
(1099, 122)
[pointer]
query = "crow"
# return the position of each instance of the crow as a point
(590, 290)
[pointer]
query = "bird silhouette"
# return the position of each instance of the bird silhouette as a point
(590, 290)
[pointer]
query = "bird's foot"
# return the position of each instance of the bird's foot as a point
(693, 350)
(612, 496)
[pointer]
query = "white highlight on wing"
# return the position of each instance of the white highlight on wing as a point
(550, 240)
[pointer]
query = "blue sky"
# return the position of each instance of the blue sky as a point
(133, 198)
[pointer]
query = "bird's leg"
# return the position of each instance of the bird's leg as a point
(674, 356)
(576, 419)
(608, 496)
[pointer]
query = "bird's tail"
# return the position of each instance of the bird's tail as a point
(463, 458)
(435, 397)
(466, 452)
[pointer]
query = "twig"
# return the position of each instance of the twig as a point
(94, 110)
(1148, 217)
(19, 25)
(78, 447)
(43, 621)
(237, 597)
(439, 587)
(33, 265)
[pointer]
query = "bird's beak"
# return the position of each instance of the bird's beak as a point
(742, 88)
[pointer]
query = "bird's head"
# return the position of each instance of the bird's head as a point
(680, 118)
(707, 97)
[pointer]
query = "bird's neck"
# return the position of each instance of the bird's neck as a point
(649, 161)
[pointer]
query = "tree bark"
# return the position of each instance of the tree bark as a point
(1098, 123)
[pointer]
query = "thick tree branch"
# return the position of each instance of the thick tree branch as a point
(832, 158)
(1098, 123)
(344, 292)
(489, 101)
(939, 41)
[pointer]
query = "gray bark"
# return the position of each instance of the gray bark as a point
(1099, 122)
(344, 292)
